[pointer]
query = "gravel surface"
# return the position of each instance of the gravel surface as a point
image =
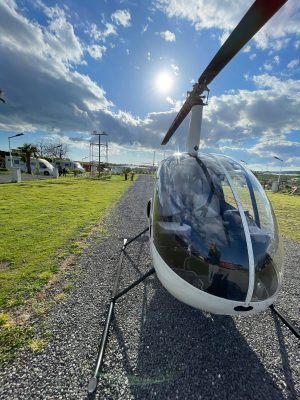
(158, 347)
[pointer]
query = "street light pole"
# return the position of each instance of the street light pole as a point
(99, 164)
(18, 134)
(277, 158)
(153, 161)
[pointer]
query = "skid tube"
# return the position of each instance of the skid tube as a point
(92, 386)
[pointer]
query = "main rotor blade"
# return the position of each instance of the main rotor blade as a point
(257, 15)
(185, 109)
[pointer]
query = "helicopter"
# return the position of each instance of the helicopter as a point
(214, 238)
(213, 235)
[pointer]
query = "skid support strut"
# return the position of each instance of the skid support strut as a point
(92, 387)
(286, 321)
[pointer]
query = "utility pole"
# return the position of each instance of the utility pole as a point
(95, 133)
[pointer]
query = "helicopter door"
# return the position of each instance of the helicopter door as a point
(262, 229)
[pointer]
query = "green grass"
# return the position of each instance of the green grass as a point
(12, 337)
(42, 222)
(39, 221)
(286, 208)
(37, 345)
(287, 211)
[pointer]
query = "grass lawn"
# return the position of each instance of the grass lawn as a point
(286, 208)
(41, 220)
(287, 211)
(41, 223)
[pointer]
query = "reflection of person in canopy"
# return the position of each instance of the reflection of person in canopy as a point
(214, 257)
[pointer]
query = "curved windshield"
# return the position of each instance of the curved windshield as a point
(197, 228)
(262, 226)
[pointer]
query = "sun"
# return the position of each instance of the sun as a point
(164, 82)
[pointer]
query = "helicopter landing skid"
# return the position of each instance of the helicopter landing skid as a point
(286, 321)
(92, 386)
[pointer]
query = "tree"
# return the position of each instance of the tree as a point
(26, 151)
(51, 149)
(42, 148)
(58, 150)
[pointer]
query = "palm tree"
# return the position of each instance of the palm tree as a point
(26, 151)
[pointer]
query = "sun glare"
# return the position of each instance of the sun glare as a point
(164, 82)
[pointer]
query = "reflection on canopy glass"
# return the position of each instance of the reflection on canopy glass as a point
(198, 230)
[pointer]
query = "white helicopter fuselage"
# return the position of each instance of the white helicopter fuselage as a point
(246, 275)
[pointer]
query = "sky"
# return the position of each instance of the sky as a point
(124, 67)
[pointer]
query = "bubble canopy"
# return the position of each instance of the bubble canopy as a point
(214, 227)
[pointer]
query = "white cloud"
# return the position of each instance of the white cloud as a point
(247, 49)
(170, 100)
(270, 111)
(252, 56)
(168, 36)
(276, 45)
(225, 15)
(44, 92)
(121, 17)
(293, 63)
(175, 69)
(97, 35)
(276, 60)
(148, 56)
(145, 28)
(57, 42)
(177, 104)
(268, 67)
(203, 14)
(96, 51)
(289, 151)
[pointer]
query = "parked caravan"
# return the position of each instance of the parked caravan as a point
(120, 169)
(38, 165)
(117, 169)
(70, 165)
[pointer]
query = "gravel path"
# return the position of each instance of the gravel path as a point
(158, 348)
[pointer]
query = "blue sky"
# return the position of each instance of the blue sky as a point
(72, 67)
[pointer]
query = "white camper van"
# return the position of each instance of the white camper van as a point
(38, 165)
(70, 165)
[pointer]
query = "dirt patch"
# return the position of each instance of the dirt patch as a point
(4, 264)
(25, 312)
